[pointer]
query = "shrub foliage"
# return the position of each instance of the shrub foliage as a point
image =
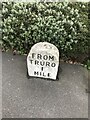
(62, 24)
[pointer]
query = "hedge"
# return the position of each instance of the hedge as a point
(62, 24)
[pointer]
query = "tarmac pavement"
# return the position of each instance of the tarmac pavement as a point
(41, 98)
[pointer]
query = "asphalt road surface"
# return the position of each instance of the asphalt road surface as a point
(41, 98)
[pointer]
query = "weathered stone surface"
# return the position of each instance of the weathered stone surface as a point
(43, 60)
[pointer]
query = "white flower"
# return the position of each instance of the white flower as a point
(73, 29)
(69, 8)
(64, 21)
(84, 26)
(70, 48)
(60, 12)
(80, 24)
(78, 16)
(68, 43)
(73, 18)
(11, 30)
(63, 16)
(70, 36)
(67, 16)
(76, 10)
(4, 37)
(83, 6)
(68, 21)
(71, 11)
(20, 11)
(9, 20)
(14, 18)
(76, 41)
(71, 40)
(65, 33)
(75, 33)
(71, 22)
